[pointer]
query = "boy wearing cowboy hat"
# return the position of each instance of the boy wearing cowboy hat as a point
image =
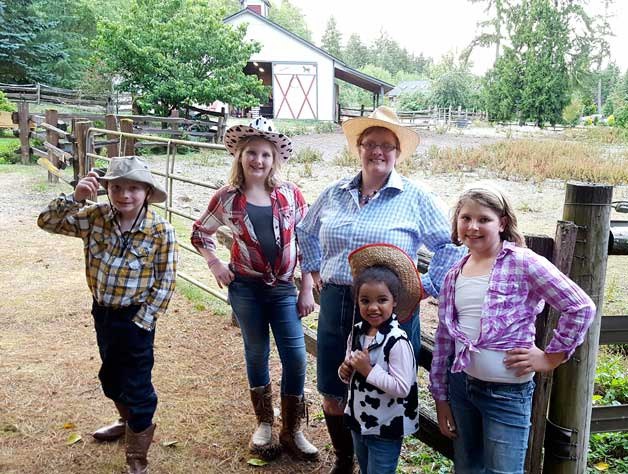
(131, 255)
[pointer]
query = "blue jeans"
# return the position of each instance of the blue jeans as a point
(126, 352)
(376, 455)
(258, 307)
(492, 421)
(337, 314)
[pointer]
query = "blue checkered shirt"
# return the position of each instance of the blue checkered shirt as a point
(401, 214)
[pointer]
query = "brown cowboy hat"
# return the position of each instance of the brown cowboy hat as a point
(392, 257)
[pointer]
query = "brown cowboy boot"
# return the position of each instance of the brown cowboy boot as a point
(292, 439)
(342, 442)
(137, 445)
(116, 429)
(262, 440)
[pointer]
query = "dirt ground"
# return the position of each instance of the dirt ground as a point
(49, 388)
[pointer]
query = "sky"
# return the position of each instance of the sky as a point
(433, 27)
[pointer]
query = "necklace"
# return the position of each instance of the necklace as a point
(364, 199)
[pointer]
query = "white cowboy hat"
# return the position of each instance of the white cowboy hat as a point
(260, 127)
(392, 257)
(384, 117)
(135, 169)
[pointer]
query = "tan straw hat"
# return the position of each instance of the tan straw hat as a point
(392, 257)
(135, 169)
(384, 117)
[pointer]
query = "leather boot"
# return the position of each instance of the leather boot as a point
(262, 440)
(342, 442)
(116, 429)
(137, 445)
(292, 439)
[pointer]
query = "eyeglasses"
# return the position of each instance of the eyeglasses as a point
(385, 147)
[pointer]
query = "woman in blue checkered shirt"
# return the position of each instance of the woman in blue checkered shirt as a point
(376, 205)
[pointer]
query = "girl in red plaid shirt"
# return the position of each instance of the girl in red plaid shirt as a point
(262, 212)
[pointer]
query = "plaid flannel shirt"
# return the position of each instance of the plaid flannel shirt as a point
(520, 283)
(401, 214)
(228, 207)
(145, 274)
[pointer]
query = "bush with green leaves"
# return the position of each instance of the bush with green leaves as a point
(5, 105)
(621, 116)
(572, 112)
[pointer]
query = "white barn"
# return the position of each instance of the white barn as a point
(300, 74)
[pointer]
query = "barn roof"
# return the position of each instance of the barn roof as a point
(407, 87)
(341, 70)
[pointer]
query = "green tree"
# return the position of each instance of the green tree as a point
(25, 53)
(453, 84)
(332, 39)
(291, 18)
(356, 53)
(173, 52)
(413, 101)
(74, 31)
(5, 105)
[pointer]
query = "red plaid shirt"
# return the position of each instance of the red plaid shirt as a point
(228, 207)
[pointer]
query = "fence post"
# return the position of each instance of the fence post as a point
(51, 137)
(81, 146)
(362, 110)
(25, 131)
(564, 244)
(567, 443)
(112, 124)
(128, 143)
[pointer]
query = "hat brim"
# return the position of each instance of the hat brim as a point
(158, 193)
(408, 139)
(398, 261)
(234, 134)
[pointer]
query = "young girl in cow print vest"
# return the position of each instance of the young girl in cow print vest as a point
(379, 365)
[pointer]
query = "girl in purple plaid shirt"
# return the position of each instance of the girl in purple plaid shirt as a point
(484, 355)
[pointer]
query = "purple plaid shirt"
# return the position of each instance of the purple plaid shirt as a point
(520, 282)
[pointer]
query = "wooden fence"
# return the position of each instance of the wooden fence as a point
(59, 144)
(577, 248)
(432, 117)
(42, 94)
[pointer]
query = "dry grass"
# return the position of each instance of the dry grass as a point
(533, 160)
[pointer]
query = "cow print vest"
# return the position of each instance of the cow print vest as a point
(369, 410)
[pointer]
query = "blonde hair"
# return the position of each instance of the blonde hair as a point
(499, 203)
(236, 176)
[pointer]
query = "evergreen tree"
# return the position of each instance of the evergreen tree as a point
(25, 53)
(291, 18)
(332, 39)
(356, 54)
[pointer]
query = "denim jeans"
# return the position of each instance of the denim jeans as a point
(126, 352)
(376, 455)
(492, 422)
(337, 314)
(258, 307)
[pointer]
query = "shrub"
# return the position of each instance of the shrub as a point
(621, 116)
(308, 155)
(610, 120)
(5, 105)
(571, 113)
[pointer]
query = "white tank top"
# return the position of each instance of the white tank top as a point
(487, 365)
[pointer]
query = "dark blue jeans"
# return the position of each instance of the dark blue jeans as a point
(493, 422)
(126, 352)
(260, 308)
(337, 314)
(376, 455)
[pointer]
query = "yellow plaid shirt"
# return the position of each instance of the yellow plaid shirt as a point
(145, 273)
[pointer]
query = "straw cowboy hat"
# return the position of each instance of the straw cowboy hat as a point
(392, 257)
(384, 117)
(135, 169)
(260, 127)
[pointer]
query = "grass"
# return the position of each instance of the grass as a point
(346, 159)
(8, 148)
(532, 160)
(605, 135)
